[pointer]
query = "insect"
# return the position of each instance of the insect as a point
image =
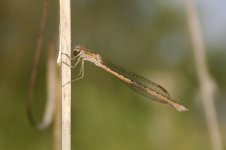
(136, 82)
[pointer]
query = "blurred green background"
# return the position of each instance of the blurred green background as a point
(150, 38)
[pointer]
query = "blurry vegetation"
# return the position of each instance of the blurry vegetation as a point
(147, 37)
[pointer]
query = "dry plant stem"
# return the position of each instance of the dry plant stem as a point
(65, 47)
(207, 84)
(51, 89)
(54, 96)
(57, 121)
(36, 62)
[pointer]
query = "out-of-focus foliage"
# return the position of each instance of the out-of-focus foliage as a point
(150, 38)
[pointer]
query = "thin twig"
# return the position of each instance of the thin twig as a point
(57, 120)
(36, 62)
(51, 89)
(207, 84)
(65, 47)
(54, 95)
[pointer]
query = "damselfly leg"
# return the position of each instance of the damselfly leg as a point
(81, 72)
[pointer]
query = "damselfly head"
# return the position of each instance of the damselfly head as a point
(75, 53)
(77, 50)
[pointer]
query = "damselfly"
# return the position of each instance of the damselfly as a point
(137, 83)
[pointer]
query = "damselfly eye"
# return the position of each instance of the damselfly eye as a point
(76, 53)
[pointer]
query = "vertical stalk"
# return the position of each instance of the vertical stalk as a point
(57, 120)
(54, 98)
(65, 48)
(207, 84)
